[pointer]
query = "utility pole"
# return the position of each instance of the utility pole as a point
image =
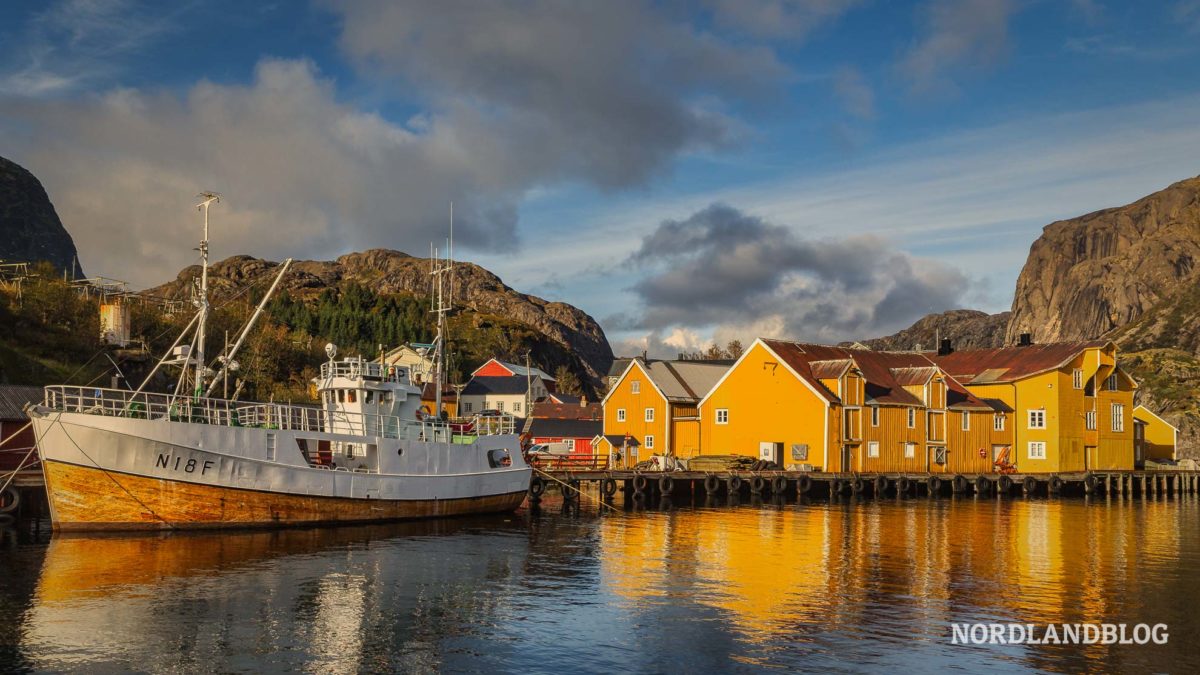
(528, 386)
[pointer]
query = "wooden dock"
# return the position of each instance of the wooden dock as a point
(685, 485)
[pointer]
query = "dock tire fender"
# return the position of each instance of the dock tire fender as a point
(902, 485)
(881, 484)
(1090, 482)
(608, 486)
(1056, 483)
(666, 484)
(856, 484)
(757, 483)
(1029, 484)
(934, 484)
(1005, 483)
(6, 519)
(982, 484)
(10, 499)
(537, 486)
(803, 483)
(734, 482)
(639, 483)
(712, 484)
(960, 483)
(779, 485)
(571, 491)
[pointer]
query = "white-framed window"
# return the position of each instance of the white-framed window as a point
(874, 415)
(998, 422)
(649, 414)
(467, 405)
(722, 415)
(570, 444)
(872, 448)
(912, 418)
(1112, 381)
(500, 406)
(910, 450)
(1037, 450)
(635, 387)
(966, 421)
(1118, 417)
(620, 414)
(516, 406)
(649, 443)
(1037, 419)
(270, 447)
(1077, 378)
(1089, 420)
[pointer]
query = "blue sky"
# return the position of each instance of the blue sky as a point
(816, 169)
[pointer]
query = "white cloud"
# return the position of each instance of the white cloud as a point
(957, 34)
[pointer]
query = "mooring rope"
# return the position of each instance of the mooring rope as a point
(601, 502)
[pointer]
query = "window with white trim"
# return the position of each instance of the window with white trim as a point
(872, 448)
(570, 444)
(620, 414)
(649, 443)
(722, 415)
(1112, 381)
(998, 422)
(500, 406)
(1037, 419)
(635, 387)
(874, 415)
(649, 414)
(516, 406)
(1077, 378)
(1037, 450)
(912, 418)
(910, 450)
(1118, 417)
(1089, 420)
(467, 405)
(966, 421)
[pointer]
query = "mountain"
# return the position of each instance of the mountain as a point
(1128, 274)
(509, 321)
(30, 230)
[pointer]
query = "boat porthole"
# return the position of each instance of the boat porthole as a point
(399, 451)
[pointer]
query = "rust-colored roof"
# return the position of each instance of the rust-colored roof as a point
(568, 411)
(886, 373)
(1008, 364)
(830, 370)
(429, 392)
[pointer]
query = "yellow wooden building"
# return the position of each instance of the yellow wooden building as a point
(837, 409)
(1072, 404)
(1158, 436)
(654, 404)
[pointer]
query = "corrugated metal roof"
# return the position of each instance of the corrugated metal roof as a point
(914, 375)
(686, 381)
(571, 411)
(997, 405)
(1008, 364)
(830, 370)
(13, 399)
(617, 440)
(496, 385)
(548, 427)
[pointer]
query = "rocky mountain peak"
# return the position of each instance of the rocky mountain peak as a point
(30, 230)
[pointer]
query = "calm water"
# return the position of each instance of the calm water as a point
(835, 587)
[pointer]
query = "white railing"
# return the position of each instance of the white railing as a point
(289, 416)
(360, 368)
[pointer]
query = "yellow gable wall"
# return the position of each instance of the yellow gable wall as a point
(634, 405)
(1115, 449)
(891, 434)
(1160, 437)
(766, 402)
(962, 447)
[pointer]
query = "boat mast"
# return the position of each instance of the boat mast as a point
(207, 199)
(442, 281)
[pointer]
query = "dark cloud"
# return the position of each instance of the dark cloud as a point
(957, 34)
(723, 268)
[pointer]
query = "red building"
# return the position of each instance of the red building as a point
(576, 433)
(497, 368)
(12, 418)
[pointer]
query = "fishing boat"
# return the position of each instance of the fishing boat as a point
(118, 459)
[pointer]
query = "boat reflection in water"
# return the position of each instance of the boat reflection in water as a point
(841, 586)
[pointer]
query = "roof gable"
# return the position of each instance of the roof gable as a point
(1009, 364)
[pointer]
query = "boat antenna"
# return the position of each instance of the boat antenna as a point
(206, 200)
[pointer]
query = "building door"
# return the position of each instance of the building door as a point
(1089, 457)
(847, 457)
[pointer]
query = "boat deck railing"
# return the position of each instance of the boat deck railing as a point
(289, 416)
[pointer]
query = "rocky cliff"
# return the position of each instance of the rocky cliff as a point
(966, 328)
(30, 230)
(384, 271)
(1090, 275)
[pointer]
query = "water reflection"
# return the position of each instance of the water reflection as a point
(845, 585)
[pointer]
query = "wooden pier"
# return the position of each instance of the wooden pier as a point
(686, 485)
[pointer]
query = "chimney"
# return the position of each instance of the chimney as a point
(946, 347)
(1025, 340)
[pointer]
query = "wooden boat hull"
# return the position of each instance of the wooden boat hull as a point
(87, 498)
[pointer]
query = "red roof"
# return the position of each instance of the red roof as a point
(886, 373)
(1007, 364)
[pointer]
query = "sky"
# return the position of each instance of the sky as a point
(685, 172)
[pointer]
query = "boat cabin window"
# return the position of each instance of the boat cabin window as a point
(351, 396)
(341, 395)
(370, 397)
